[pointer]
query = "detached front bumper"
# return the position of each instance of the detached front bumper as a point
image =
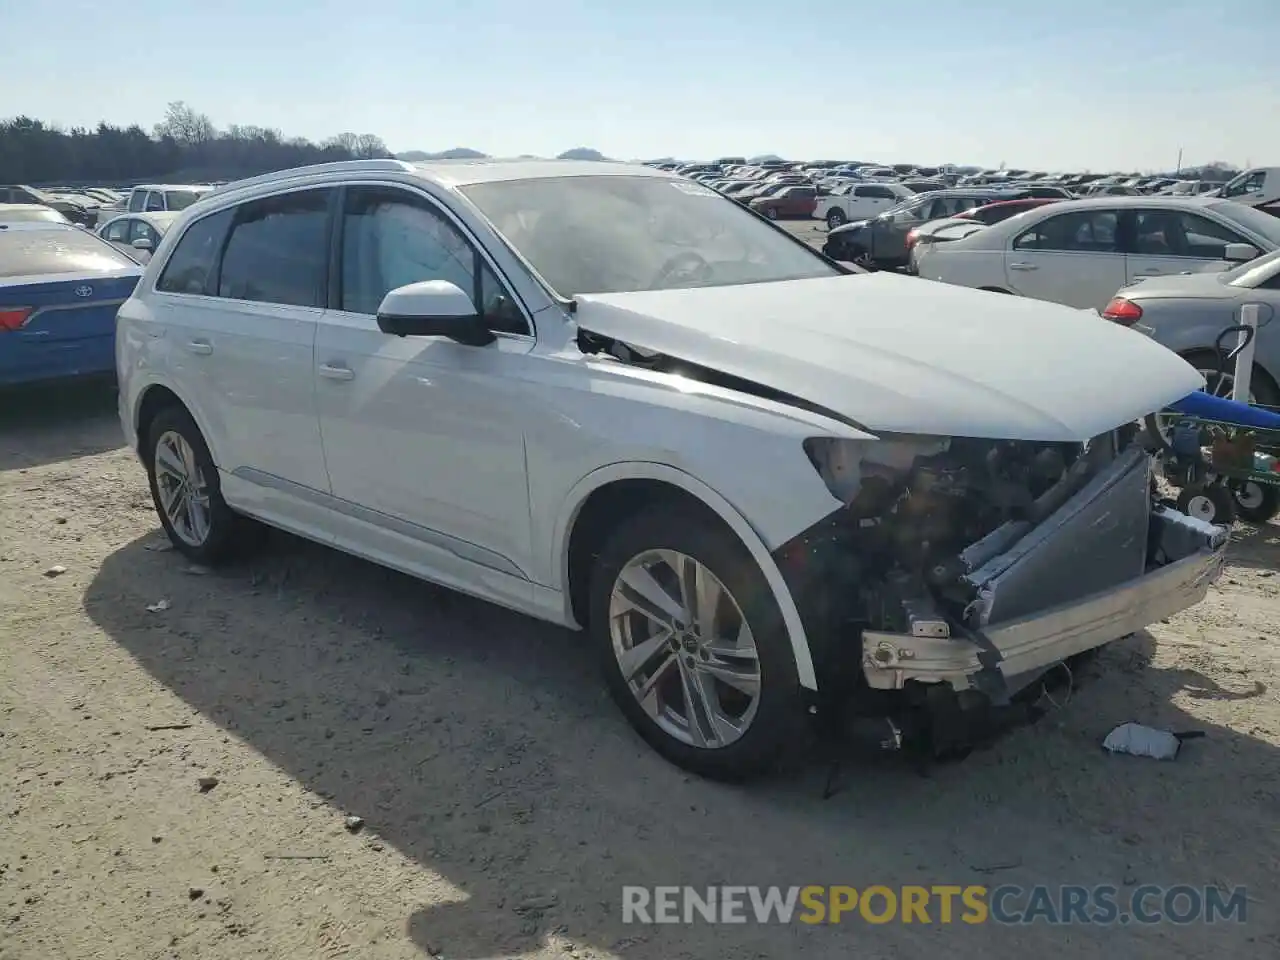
(1183, 557)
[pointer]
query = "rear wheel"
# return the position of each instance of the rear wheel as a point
(836, 218)
(693, 646)
(188, 495)
(1256, 502)
(771, 213)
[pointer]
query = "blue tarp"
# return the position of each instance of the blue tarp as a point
(1209, 407)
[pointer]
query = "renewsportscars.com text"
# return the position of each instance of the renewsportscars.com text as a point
(936, 904)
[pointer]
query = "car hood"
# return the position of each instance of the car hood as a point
(1190, 286)
(897, 354)
(853, 226)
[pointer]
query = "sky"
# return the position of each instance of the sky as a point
(1086, 84)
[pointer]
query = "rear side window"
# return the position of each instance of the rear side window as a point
(57, 250)
(180, 199)
(192, 265)
(278, 251)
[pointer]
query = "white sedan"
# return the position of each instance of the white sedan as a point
(137, 234)
(610, 398)
(1079, 252)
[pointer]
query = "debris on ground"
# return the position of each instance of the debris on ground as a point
(160, 606)
(56, 570)
(353, 823)
(1139, 741)
(207, 783)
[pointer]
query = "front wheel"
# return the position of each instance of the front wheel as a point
(836, 218)
(693, 645)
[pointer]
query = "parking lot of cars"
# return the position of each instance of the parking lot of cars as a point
(269, 743)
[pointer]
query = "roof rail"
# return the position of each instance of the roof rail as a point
(336, 166)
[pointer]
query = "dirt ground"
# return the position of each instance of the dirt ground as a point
(505, 801)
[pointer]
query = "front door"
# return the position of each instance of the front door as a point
(422, 435)
(1073, 258)
(1176, 241)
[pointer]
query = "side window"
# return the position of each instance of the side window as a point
(118, 232)
(155, 202)
(391, 238)
(1173, 233)
(142, 231)
(192, 265)
(278, 251)
(137, 199)
(1246, 184)
(1085, 231)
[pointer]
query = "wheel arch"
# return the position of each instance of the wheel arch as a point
(580, 528)
(155, 397)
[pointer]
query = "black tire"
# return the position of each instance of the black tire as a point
(1255, 502)
(1211, 502)
(230, 535)
(771, 213)
(778, 725)
(836, 218)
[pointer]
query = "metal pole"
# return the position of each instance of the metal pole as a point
(1244, 359)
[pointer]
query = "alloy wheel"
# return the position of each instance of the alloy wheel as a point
(183, 489)
(685, 649)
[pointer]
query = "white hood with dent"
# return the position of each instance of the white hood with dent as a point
(899, 354)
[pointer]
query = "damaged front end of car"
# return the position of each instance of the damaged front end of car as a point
(960, 573)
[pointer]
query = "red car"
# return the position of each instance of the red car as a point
(789, 203)
(1002, 209)
(987, 214)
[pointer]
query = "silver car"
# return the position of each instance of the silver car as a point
(1188, 312)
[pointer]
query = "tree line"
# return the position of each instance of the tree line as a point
(185, 146)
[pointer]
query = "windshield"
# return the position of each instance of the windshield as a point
(1253, 220)
(181, 199)
(1254, 272)
(614, 234)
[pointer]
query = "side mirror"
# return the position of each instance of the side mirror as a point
(142, 243)
(1239, 252)
(433, 308)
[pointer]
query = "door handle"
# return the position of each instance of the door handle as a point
(201, 347)
(330, 372)
(1023, 266)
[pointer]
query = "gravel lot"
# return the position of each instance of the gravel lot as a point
(505, 801)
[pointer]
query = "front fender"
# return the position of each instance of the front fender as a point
(639, 470)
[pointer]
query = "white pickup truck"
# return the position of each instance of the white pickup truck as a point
(859, 201)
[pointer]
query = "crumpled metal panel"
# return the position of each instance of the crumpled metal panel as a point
(1095, 541)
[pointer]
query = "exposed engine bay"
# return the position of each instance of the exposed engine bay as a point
(927, 513)
(961, 573)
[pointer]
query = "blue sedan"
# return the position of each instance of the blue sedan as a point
(60, 288)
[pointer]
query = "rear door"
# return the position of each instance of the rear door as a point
(60, 288)
(239, 300)
(1074, 258)
(1167, 240)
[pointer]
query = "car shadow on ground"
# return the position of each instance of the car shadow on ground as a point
(480, 743)
(55, 422)
(1256, 546)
